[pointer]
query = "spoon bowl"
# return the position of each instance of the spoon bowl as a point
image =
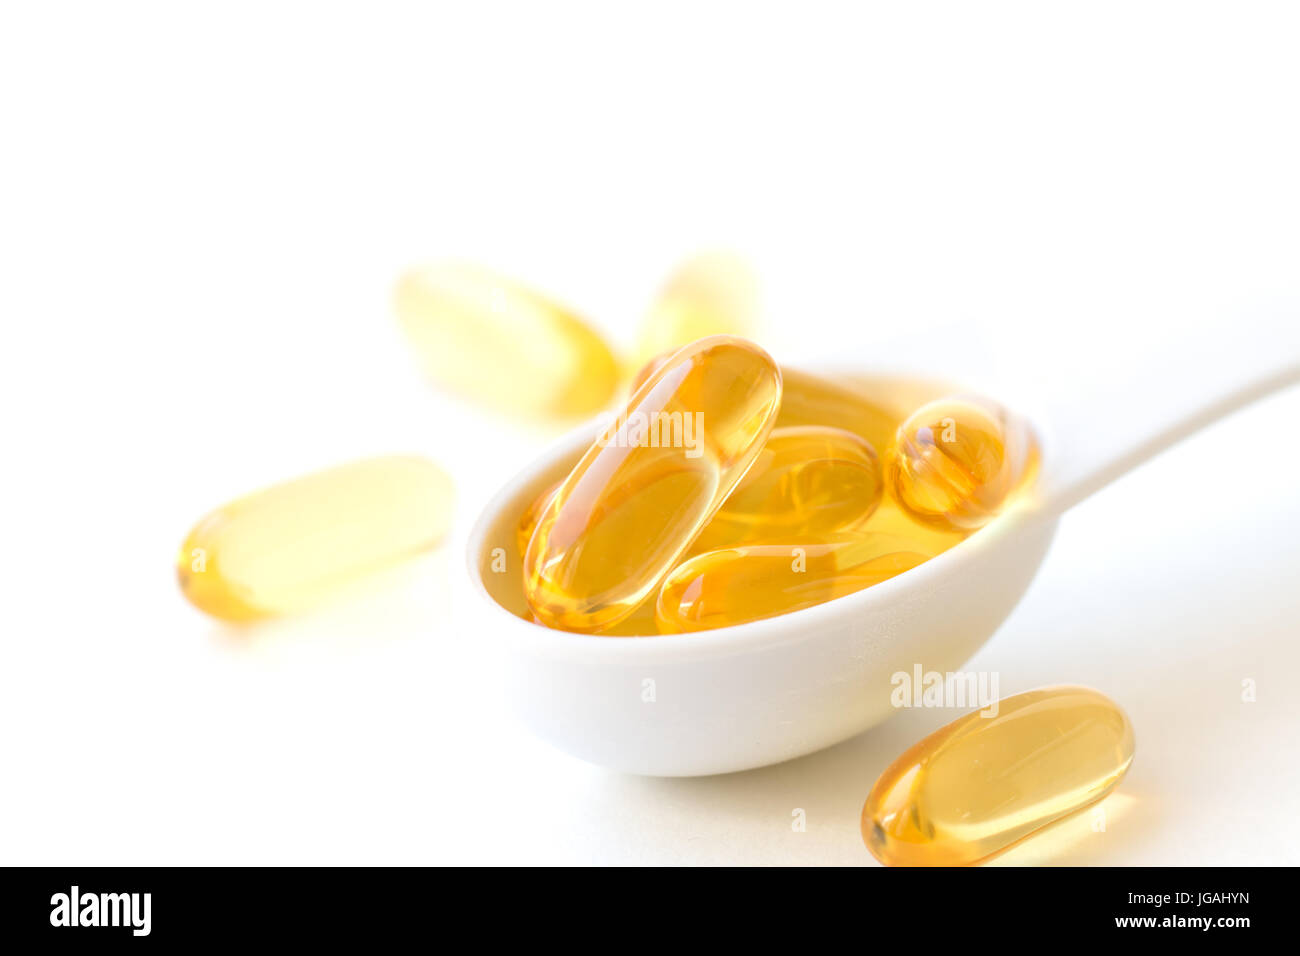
(752, 694)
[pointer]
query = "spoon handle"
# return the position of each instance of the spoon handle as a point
(1134, 403)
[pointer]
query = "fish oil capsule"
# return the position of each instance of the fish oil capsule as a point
(499, 343)
(711, 294)
(640, 623)
(528, 520)
(640, 495)
(956, 460)
(813, 400)
(289, 547)
(806, 481)
(975, 787)
(750, 582)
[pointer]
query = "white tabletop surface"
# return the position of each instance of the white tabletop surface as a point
(201, 218)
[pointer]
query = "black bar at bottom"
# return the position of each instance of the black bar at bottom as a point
(211, 905)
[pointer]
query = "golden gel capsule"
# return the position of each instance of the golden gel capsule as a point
(528, 520)
(290, 546)
(806, 481)
(812, 400)
(497, 342)
(735, 585)
(639, 623)
(956, 460)
(711, 294)
(974, 788)
(640, 495)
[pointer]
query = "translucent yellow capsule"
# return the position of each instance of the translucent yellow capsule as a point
(639, 623)
(956, 460)
(712, 294)
(497, 342)
(806, 481)
(290, 546)
(750, 582)
(979, 785)
(813, 400)
(640, 495)
(528, 520)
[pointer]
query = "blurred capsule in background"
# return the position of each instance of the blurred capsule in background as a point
(293, 545)
(956, 460)
(995, 776)
(640, 495)
(710, 294)
(807, 481)
(492, 340)
(750, 582)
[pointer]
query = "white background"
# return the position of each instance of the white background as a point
(202, 213)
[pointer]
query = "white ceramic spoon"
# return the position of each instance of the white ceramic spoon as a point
(759, 693)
